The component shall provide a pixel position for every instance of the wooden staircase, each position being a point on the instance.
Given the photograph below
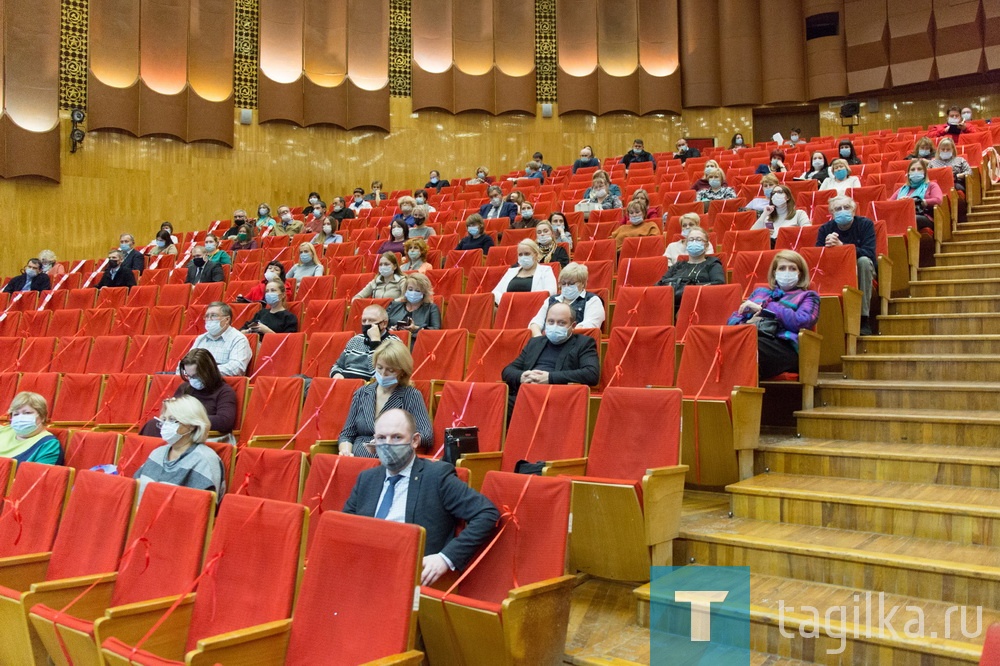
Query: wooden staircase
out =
(892, 485)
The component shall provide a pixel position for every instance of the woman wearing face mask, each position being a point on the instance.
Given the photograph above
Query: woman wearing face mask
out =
(405, 215)
(551, 250)
(698, 269)
(763, 200)
(477, 238)
(717, 188)
(947, 157)
(264, 220)
(49, 266)
(923, 149)
(527, 220)
(587, 307)
(845, 149)
(702, 183)
(422, 199)
(391, 389)
(26, 439)
(840, 178)
(214, 253)
(274, 316)
(482, 177)
(781, 212)
(642, 196)
(328, 233)
(602, 180)
(600, 193)
(926, 194)
(637, 225)
(376, 194)
(274, 270)
(528, 274)
(780, 311)
(818, 169)
(313, 199)
(688, 222)
(169, 228)
(420, 228)
(163, 244)
(560, 229)
(399, 233)
(415, 309)
(204, 383)
(390, 280)
(308, 265)
(244, 239)
(436, 181)
(737, 143)
(775, 165)
(517, 198)
(415, 252)
(184, 460)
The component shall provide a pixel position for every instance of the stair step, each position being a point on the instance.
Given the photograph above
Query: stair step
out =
(783, 614)
(970, 245)
(979, 225)
(923, 368)
(962, 234)
(959, 272)
(921, 568)
(916, 426)
(933, 344)
(945, 304)
(941, 324)
(894, 394)
(883, 461)
(945, 287)
(942, 259)
(953, 514)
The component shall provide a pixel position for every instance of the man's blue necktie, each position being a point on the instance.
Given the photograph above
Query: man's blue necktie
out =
(386, 503)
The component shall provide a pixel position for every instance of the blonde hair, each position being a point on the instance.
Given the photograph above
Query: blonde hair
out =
(47, 255)
(531, 245)
(423, 282)
(33, 400)
(769, 179)
(281, 290)
(406, 199)
(311, 250)
(714, 171)
(395, 354)
(950, 142)
(795, 258)
(575, 273)
(703, 232)
(189, 411)
(840, 160)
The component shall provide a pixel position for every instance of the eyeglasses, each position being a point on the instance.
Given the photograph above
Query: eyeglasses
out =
(214, 317)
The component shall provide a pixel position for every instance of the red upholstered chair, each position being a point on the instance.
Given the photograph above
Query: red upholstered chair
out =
(272, 412)
(479, 404)
(469, 311)
(358, 306)
(97, 322)
(77, 400)
(7, 468)
(750, 269)
(349, 284)
(439, 355)
(165, 548)
(108, 354)
(121, 401)
(707, 305)
(35, 322)
(111, 297)
(549, 422)
(165, 320)
(722, 403)
(795, 238)
(463, 259)
(638, 356)
(75, 553)
(482, 279)
(517, 596)
(10, 351)
(34, 356)
(386, 562)
(174, 294)
(644, 306)
(329, 484)
(640, 272)
(753, 240)
(322, 352)
(446, 282)
(71, 354)
(130, 321)
(39, 510)
(280, 355)
(319, 288)
(900, 218)
(991, 648)
(255, 540)
(517, 309)
(147, 354)
(143, 297)
(833, 274)
(89, 448)
(276, 474)
(64, 323)
(324, 316)
(643, 246)
(323, 413)
(493, 350)
(45, 384)
(135, 449)
(595, 250)
(180, 345)
(10, 322)
(204, 293)
(629, 501)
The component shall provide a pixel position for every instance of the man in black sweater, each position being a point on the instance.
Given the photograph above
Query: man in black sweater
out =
(846, 228)
(637, 154)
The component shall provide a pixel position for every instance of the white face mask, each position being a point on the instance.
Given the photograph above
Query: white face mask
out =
(213, 328)
(24, 424)
(327, 229)
(786, 279)
(169, 431)
(779, 199)
(570, 292)
(966, 116)
(818, 163)
(286, 217)
(945, 154)
(397, 232)
(525, 261)
(385, 270)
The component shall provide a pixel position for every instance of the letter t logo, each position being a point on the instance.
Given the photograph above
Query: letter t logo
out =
(701, 610)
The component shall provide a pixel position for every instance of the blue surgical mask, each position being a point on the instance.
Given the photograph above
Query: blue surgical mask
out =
(767, 191)
(434, 180)
(840, 174)
(305, 257)
(570, 292)
(213, 328)
(945, 154)
(715, 182)
(739, 141)
(525, 261)
(414, 296)
(473, 231)
(160, 242)
(556, 334)
(845, 151)
(924, 152)
(916, 177)
(637, 151)
(843, 218)
(385, 271)
(414, 255)
(527, 214)
(385, 382)
(125, 248)
(420, 200)
(272, 298)
(196, 383)
(786, 280)
(695, 248)
(24, 424)
(635, 219)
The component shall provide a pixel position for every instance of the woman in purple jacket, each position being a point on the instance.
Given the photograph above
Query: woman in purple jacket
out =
(779, 312)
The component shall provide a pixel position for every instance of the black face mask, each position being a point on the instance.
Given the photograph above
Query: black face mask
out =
(112, 263)
(199, 261)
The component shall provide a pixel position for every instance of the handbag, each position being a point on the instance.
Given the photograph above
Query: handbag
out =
(767, 327)
(459, 441)
(525, 467)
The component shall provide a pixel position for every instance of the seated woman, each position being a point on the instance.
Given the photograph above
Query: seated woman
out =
(265, 223)
(601, 179)
(389, 283)
(184, 460)
(551, 250)
(737, 144)
(776, 165)
(845, 148)
(169, 228)
(26, 439)
(840, 178)
(926, 194)
(421, 197)
(819, 168)
(215, 253)
(390, 390)
(308, 266)
(482, 177)
(779, 312)
(767, 184)
(204, 383)
(274, 316)
(698, 269)
(420, 228)
(923, 149)
(517, 198)
(415, 310)
(781, 212)
(406, 205)
(163, 244)
(328, 233)
(947, 157)
(274, 270)
(244, 239)
(528, 274)
(702, 183)
(643, 196)
(689, 221)
(399, 233)
(587, 306)
(560, 229)
(717, 188)
(50, 266)
(416, 256)
(527, 219)
(477, 238)
(637, 225)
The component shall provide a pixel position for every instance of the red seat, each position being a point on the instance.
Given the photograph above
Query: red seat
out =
(273, 410)
(324, 315)
(595, 250)
(707, 305)
(464, 259)
(81, 299)
(725, 222)
(121, 400)
(322, 352)
(165, 320)
(179, 347)
(275, 474)
(46, 384)
(492, 351)
(77, 400)
(640, 272)
(130, 321)
(97, 322)
(111, 297)
(539, 403)
(479, 404)
(108, 354)
(34, 529)
(352, 283)
(135, 451)
(34, 323)
(750, 269)
(517, 309)
(446, 282)
(440, 354)
(71, 354)
(280, 355)
(88, 448)
(10, 324)
(174, 294)
(329, 484)
(795, 238)
(324, 411)
(147, 354)
(639, 356)
(482, 279)
(644, 306)
(643, 246)
(64, 323)
(991, 647)
(358, 306)
(10, 351)
(143, 297)
(469, 311)
(316, 288)
(35, 356)
(204, 293)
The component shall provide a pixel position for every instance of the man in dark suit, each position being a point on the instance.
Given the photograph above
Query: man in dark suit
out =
(559, 357)
(408, 489)
(132, 259)
(115, 275)
(497, 207)
(32, 279)
(201, 269)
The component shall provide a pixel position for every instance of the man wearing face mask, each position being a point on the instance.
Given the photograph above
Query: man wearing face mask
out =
(132, 259)
(637, 154)
(560, 356)
(228, 347)
(684, 151)
(358, 201)
(953, 126)
(355, 362)
(497, 207)
(436, 181)
(405, 488)
(846, 228)
(340, 211)
(201, 269)
(239, 219)
(32, 279)
(287, 225)
(114, 274)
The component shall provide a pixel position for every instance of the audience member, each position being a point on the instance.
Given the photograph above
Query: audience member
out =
(954, 126)
(636, 155)
(399, 233)
(355, 362)
(697, 269)
(114, 274)
(845, 148)
(415, 309)
(637, 225)
(436, 182)
(389, 283)
(527, 219)
(26, 439)
(202, 270)
(767, 184)
(528, 274)
(737, 143)
(776, 165)
(482, 177)
(966, 114)
(341, 211)
(315, 218)
(328, 233)
(559, 357)
(441, 501)
(376, 194)
(215, 253)
(551, 250)
(846, 228)
(688, 221)
(702, 183)
(50, 265)
(203, 382)
(358, 201)
(517, 198)
(601, 194)
(132, 258)
(818, 167)
(477, 238)
(925, 193)
(239, 220)
(602, 179)
(780, 311)
(265, 223)
(534, 170)
(406, 205)
(244, 239)
(33, 279)
(420, 196)
(794, 136)
(923, 149)
(164, 244)
(947, 157)
(840, 177)
(497, 207)
(185, 459)
(717, 189)
(308, 265)
(642, 196)
(228, 347)
(781, 212)
(391, 389)
(287, 225)
(588, 309)
(313, 199)
(169, 228)
(542, 166)
(560, 228)
(273, 317)
(586, 160)
(420, 228)
(416, 256)
(274, 270)
(684, 151)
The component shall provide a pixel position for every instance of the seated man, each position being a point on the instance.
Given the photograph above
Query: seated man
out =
(228, 347)
(684, 151)
(202, 270)
(341, 211)
(497, 207)
(132, 259)
(239, 219)
(846, 228)
(637, 154)
(559, 357)
(317, 217)
(115, 275)
(440, 500)
(287, 225)
(32, 279)
(545, 168)
(355, 362)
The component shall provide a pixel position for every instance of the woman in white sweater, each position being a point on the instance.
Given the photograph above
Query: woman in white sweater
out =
(840, 178)
(781, 212)
(528, 275)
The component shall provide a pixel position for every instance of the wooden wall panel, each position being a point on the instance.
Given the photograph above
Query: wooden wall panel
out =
(659, 57)
(991, 33)
(210, 50)
(368, 47)
(515, 50)
(324, 58)
(783, 61)
(911, 41)
(576, 36)
(739, 60)
(826, 57)
(113, 88)
(958, 37)
(700, 66)
(866, 24)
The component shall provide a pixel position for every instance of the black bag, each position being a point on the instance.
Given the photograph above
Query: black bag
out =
(767, 326)
(459, 441)
(525, 467)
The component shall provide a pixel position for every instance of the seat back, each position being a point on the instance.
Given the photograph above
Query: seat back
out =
(482, 279)
(318, 287)
(517, 309)
(469, 311)
(255, 540)
(134, 452)
(180, 345)
(621, 447)
(64, 323)
(479, 404)
(641, 272)
(39, 492)
(121, 400)
(34, 323)
(750, 268)
(716, 359)
(270, 473)
(440, 354)
(77, 399)
(322, 352)
(34, 356)
(644, 306)
(329, 483)
(130, 321)
(639, 356)
(385, 562)
(549, 422)
(89, 448)
(831, 268)
(795, 238)
(7, 468)
(147, 354)
(595, 250)
(165, 319)
(97, 321)
(492, 351)
(273, 408)
(324, 315)
(446, 282)
(71, 354)
(324, 410)
(77, 551)
(280, 355)
(991, 647)
(708, 305)
(533, 547)
(643, 246)
(898, 215)
(108, 354)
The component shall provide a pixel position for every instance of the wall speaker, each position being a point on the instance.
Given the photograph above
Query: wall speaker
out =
(546, 110)
(246, 116)
(849, 109)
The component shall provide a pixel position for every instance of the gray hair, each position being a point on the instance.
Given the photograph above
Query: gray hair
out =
(840, 200)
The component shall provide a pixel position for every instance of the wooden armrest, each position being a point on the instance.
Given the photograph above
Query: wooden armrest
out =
(569, 467)
(130, 622)
(411, 658)
(484, 455)
(884, 268)
(150, 606)
(852, 311)
(239, 636)
(57, 593)
(541, 587)
(269, 441)
(262, 645)
(78, 582)
(913, 251)
(19, 572)
(747, 402)
(478, 464)
(662, 492)
(325, 446)
(810, 345)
